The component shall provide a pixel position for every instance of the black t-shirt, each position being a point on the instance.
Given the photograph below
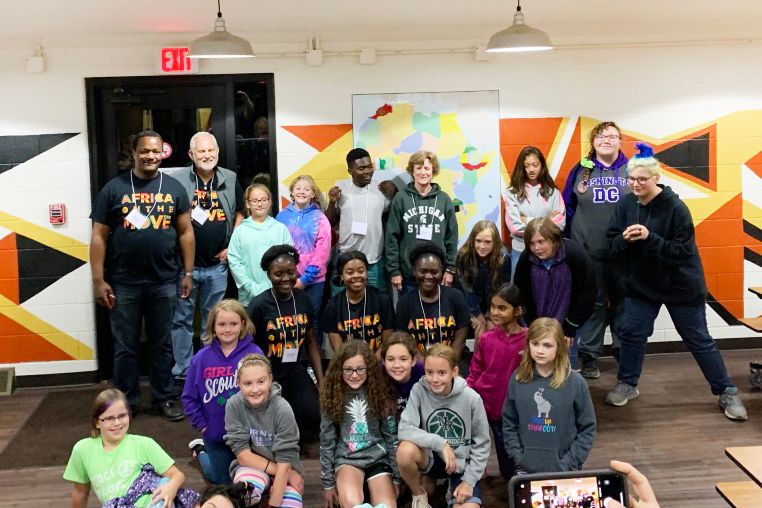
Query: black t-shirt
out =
(147, 255)
(211, 237)
(271, 324)
(438, 321)
(378, 317)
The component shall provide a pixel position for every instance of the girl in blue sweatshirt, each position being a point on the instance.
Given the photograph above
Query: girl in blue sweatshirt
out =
(548, 417)
(211, 382)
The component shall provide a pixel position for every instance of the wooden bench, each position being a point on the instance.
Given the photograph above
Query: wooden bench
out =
(747, 494)
(754, 323)
(740, 494)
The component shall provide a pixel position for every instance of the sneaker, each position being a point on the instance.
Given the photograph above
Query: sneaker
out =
(197, 447)
(622, 394)
(590, 369)
(420, 501)
(731, 403)
(169, 410)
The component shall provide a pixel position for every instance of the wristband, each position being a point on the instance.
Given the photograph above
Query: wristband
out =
(187, 274)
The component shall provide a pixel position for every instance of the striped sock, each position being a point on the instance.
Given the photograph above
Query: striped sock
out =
(291, 498)
(257, 479)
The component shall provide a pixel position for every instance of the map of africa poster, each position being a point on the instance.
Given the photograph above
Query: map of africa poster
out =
(461, 128)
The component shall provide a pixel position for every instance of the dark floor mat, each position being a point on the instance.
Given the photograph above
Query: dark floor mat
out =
(62, 419)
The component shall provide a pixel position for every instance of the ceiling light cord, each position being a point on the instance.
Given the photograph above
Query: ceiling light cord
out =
(219, 9)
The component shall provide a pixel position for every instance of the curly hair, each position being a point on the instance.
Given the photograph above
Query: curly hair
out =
(277, 251)
(382, 397)
(592, 153)
(419, 157)
(427, 247)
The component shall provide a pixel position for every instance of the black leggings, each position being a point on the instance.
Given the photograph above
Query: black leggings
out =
(302, 394)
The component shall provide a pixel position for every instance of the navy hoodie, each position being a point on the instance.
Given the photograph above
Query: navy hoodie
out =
(665, 267)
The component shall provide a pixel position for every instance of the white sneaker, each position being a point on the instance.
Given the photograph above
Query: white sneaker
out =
(420, 501)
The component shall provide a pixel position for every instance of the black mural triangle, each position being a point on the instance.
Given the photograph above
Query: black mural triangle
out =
(691, 156)
(40, 266)
(15, 150)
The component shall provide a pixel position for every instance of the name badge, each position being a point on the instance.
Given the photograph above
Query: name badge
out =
(136, 218)
(290, 355)
(359, 228)
(200, 215)
(424, 232)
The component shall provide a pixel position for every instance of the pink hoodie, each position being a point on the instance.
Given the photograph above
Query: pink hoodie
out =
(493, 364)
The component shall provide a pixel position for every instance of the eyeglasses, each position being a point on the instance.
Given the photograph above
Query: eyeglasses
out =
(348, 371)
(258, 201)
(642, 180)
(113, 419)
(607, 137)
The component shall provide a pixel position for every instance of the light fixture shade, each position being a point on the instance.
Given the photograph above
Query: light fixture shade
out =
(221, 44)
(519, 37)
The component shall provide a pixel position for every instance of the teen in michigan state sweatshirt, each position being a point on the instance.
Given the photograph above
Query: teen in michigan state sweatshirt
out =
(412, 218)
(548, 429)
(458, 418)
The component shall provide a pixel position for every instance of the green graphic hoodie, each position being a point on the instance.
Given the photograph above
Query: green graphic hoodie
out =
(408, 212)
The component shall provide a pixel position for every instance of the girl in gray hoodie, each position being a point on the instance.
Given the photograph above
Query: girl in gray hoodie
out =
(262, 432)
(443, 433)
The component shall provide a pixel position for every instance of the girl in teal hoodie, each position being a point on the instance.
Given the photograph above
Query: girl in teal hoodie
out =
(257, 233)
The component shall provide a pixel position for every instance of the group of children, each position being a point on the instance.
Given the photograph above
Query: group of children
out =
(399, 423)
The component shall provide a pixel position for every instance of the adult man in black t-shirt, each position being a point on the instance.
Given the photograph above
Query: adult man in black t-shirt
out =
(216, 202)
(142, 215)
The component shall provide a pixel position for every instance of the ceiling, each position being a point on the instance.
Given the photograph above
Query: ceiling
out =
(71, 23)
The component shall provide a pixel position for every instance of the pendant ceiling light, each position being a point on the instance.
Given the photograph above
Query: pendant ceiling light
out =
(519, 37)
(221, 43)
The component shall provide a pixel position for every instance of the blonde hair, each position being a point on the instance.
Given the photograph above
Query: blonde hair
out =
(649, 163)
(419, 157)
(253, 360)
(102, 402)
(542, 328)
(228, 305)
(250, 189)
(440, 350)
(315, 189)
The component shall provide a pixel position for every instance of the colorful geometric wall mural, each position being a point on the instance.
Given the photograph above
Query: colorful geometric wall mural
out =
(715, 167)
(32, 259)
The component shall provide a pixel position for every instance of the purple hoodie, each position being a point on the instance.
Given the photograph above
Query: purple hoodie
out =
(311, 233)
(210, 383)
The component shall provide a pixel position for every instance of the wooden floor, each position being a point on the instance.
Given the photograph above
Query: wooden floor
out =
(674, 433)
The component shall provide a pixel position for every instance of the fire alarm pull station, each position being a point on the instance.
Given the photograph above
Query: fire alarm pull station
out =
(57, 213)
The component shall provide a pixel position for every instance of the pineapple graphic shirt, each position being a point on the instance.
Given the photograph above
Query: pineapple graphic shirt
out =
(361, 439)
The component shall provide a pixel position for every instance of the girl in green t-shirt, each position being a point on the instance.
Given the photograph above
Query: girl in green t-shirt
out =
(111, 460)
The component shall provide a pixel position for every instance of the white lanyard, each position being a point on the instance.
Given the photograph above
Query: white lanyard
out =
(135, 204)
(416, 206)
(439, 324)
(367, 200)
(283, 326)
(349, 315)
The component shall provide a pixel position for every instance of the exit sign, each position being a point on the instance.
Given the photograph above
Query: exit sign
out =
(175, 60)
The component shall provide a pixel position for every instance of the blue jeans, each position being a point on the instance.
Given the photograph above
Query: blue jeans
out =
(209, 286)
(215, 463)
(154, 303)
(637, 324)
(515, 255)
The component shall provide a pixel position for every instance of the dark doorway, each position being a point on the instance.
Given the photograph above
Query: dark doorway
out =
(239, 109)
